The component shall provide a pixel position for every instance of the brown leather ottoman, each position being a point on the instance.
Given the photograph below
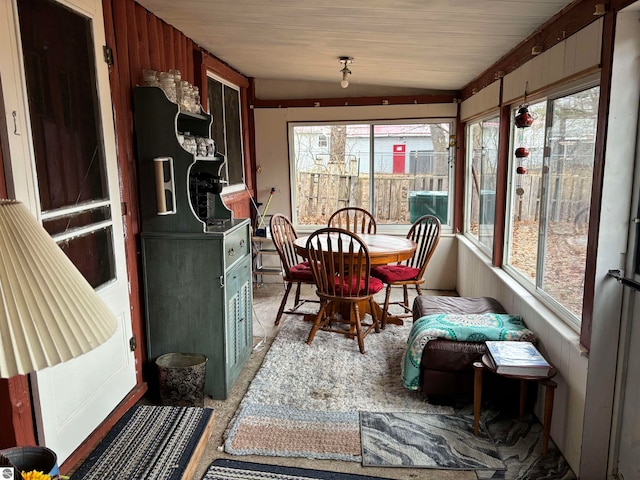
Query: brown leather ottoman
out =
(446, 368)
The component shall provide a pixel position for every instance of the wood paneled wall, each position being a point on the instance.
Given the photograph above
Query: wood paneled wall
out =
(139, 41)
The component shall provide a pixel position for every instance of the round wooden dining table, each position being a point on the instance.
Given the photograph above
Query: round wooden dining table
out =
(383, 249)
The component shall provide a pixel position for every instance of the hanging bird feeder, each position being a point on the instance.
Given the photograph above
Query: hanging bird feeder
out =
(523, 118)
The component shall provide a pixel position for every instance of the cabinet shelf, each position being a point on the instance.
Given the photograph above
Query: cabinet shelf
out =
(197, 116)
(267, 271)
(258, 268)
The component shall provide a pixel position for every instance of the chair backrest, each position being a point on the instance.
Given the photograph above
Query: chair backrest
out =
(283, 235)
(425, 231)
(354, 219)
(340, 263)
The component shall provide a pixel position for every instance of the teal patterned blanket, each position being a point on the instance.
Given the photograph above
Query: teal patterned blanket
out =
(450, 326)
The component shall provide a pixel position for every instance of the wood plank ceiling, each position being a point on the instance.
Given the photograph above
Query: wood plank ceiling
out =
(423, 44)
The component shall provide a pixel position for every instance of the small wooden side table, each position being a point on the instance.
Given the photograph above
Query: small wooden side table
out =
(550, 387)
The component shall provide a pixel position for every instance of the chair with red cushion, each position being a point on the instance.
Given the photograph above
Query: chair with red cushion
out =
(354, 219)
(294, 269)
(340, 263)
(425, 231)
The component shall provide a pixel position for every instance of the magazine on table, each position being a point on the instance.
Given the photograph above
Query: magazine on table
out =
(517, 358)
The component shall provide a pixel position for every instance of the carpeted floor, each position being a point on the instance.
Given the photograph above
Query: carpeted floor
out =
(304, 400)
(523, 436)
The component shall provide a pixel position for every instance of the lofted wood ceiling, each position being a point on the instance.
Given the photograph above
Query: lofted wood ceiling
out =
(425, 44)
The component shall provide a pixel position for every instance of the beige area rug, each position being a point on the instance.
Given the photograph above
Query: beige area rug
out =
(305, 399)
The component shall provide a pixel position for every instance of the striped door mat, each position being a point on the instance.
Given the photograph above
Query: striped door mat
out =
(151, 442)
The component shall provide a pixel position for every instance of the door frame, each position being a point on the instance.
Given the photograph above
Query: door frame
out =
(15, 393)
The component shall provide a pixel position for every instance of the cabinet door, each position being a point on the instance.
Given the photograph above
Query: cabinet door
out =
(239, 329)
(246, 337)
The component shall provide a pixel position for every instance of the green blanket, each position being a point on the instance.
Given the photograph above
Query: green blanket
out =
(468, 328)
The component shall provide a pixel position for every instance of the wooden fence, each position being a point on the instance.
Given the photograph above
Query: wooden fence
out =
(320, 194)
(569, 198)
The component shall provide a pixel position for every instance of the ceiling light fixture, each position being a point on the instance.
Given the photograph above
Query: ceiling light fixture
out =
(344, 61)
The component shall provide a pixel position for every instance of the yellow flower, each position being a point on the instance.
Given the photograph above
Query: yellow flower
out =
(35, 475)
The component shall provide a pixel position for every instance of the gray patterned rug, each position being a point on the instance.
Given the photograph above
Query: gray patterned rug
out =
(426, 441)
(507, 448)
(519, 443)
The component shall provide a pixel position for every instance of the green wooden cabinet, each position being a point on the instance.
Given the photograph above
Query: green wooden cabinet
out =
(196, 270)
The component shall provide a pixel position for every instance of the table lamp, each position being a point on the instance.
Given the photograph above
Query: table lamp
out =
(49, 313)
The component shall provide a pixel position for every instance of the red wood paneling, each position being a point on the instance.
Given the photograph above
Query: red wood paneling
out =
(597, 183)
(501, 185)
(167, 35)
(458, 193)
(138, 35)
(16, 421)
(115, 11)
(249, 136)
(356, 101)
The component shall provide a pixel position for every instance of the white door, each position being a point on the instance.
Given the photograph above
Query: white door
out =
(59, 131)
(628, 391)
(624, 143)
(627, 423)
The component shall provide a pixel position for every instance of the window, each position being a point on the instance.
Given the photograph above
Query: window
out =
(482, 167)
(397, 171)
(68, 144)
(226, 130)
(551, 195)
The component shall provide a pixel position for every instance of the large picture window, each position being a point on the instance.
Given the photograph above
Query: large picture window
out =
(397, 171)
(482, 166)
(551, 196)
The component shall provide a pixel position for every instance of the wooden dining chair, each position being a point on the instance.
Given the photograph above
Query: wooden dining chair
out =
(294, 269)
(354, 219)
(341, 266)
(425, 231)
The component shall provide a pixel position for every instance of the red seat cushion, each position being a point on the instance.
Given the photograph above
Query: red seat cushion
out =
(375, 286)
(301, 272)
(395, 273)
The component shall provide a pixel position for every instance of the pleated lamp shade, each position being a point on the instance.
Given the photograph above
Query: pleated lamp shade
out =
(48, 311)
